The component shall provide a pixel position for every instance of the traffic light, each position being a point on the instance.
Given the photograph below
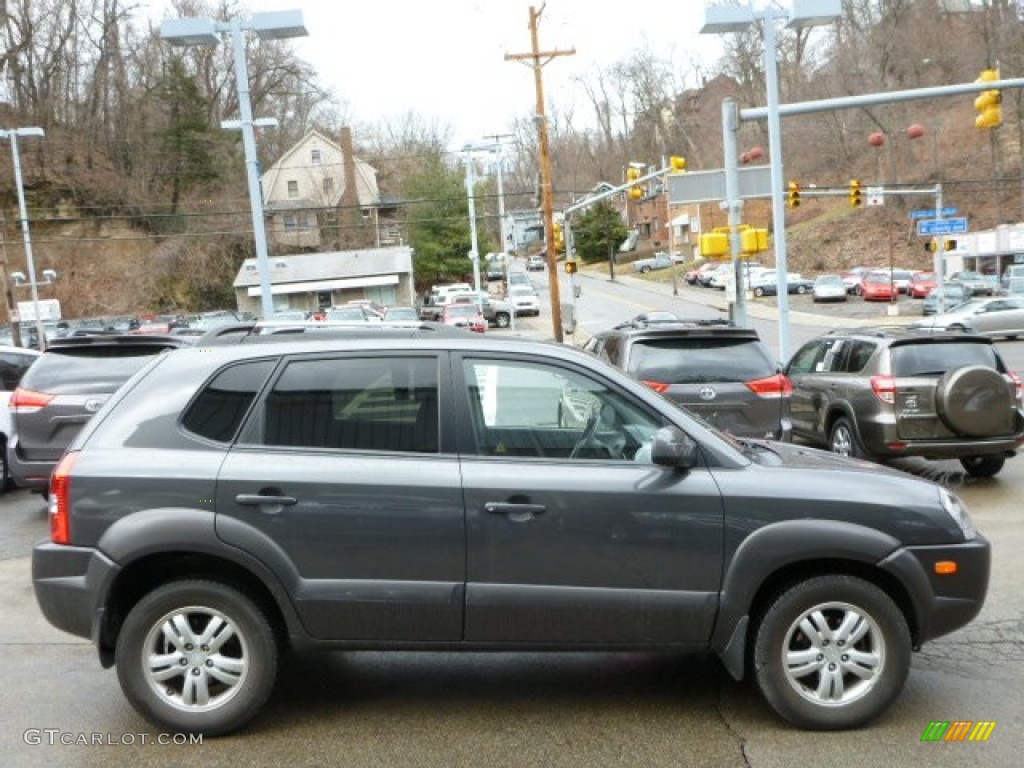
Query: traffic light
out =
(856, 197)
(570, 267)
(558, 235)
(987, 105)
(677, 164)
(632, 174)
(933, 245)
(794, 194)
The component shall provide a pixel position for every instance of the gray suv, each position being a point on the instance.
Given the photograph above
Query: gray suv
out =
(889, 393)
(723, 373)
(418, 489)
(63, 389)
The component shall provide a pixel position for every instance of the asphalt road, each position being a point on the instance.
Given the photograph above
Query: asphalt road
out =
(579, 710)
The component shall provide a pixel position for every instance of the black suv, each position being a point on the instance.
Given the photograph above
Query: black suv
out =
(63, 389)
(886, 393)
(723, 373)
(418, 489)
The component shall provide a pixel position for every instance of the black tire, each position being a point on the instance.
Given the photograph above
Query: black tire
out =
(982, 466)
(846, 673)
(645, 270)
(6, 483)
(843, 440)
(501, 319)
(759, 292)
(250, 651)
(801, 289)
(975, 401)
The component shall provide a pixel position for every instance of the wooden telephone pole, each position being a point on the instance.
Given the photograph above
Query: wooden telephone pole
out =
(538, 59)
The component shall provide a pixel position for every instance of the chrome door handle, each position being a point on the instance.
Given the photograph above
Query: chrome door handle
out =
(267, 503)
(517, 513)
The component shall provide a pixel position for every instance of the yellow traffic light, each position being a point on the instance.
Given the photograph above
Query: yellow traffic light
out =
(988, 104)
(794, 194)
(570, 267)
(678, 164)
(559, 237)
(632, 174)
(635, 193)
(856, 196)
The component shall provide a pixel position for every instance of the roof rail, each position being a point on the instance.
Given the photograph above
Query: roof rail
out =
(265, 330)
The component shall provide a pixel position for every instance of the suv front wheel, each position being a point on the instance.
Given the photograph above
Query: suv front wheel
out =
(832, 652)
(196, 657)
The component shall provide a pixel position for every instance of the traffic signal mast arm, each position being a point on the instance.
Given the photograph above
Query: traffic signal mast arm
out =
(622, 187)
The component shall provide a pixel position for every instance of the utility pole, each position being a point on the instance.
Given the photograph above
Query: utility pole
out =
(539, 59)
(498, 149)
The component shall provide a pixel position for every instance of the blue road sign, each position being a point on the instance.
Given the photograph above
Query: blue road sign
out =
(942, 226)
(929, 213)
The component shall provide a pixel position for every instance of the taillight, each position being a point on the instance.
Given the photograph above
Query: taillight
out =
(27, 401)
(778, 385)
(60, 500)
(884, 388)
(1020, 386)
(657, 386)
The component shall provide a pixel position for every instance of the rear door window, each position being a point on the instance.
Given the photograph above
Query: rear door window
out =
(86, 370)
(694, 359)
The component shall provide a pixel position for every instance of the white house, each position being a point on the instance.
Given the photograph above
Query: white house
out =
(306, 193)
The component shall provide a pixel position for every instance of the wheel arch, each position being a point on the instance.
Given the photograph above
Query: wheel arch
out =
(183, 544)
(776, 557)
(834, 413)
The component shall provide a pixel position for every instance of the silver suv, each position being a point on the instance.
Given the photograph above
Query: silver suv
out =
(889, 393)
(427, 489)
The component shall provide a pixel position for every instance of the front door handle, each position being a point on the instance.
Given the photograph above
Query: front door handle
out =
(517, 513)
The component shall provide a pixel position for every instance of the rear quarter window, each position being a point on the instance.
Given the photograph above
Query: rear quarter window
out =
(693, 360)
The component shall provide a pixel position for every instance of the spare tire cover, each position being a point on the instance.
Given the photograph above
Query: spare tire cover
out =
(975, 401)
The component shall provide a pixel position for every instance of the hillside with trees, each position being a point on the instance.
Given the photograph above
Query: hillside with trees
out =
(137, 194)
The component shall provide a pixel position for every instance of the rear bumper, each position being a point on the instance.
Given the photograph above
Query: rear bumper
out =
(880, 438)
(69, 583)
(34, 475)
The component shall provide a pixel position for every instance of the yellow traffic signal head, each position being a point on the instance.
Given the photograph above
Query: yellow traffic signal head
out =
(632, 174)
(794, 194)
(570, 267)
(856, 196)
(988, 105)
(678, 164)
(635, 193)
(559, 237)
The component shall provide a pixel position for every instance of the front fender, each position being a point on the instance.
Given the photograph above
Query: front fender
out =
(772, 548)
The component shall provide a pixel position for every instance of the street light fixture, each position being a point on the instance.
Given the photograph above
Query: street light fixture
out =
(735, 17)
(277, 25)
(13, 135)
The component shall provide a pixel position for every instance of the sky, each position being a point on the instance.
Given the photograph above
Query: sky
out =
(444, 59)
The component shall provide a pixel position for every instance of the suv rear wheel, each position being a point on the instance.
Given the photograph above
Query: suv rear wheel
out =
(843, 440)
(832, 652)
(982, 466)
(196, 657)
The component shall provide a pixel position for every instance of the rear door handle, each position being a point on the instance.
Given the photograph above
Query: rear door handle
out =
(266, 502)
(517, 513)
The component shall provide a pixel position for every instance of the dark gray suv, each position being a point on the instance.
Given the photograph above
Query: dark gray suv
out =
(722, 373)
(892, 392)
(420, 489)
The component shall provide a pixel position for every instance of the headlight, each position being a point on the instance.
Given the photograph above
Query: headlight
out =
(958, 511)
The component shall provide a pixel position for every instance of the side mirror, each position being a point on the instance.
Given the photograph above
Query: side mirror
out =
(671, 447)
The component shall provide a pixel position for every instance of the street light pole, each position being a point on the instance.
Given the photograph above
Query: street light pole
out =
(474, 253)
(23, 214)
(274, 25)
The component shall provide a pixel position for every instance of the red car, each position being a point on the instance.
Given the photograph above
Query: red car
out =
(922, 283)
(464, 316)
(877, 286)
